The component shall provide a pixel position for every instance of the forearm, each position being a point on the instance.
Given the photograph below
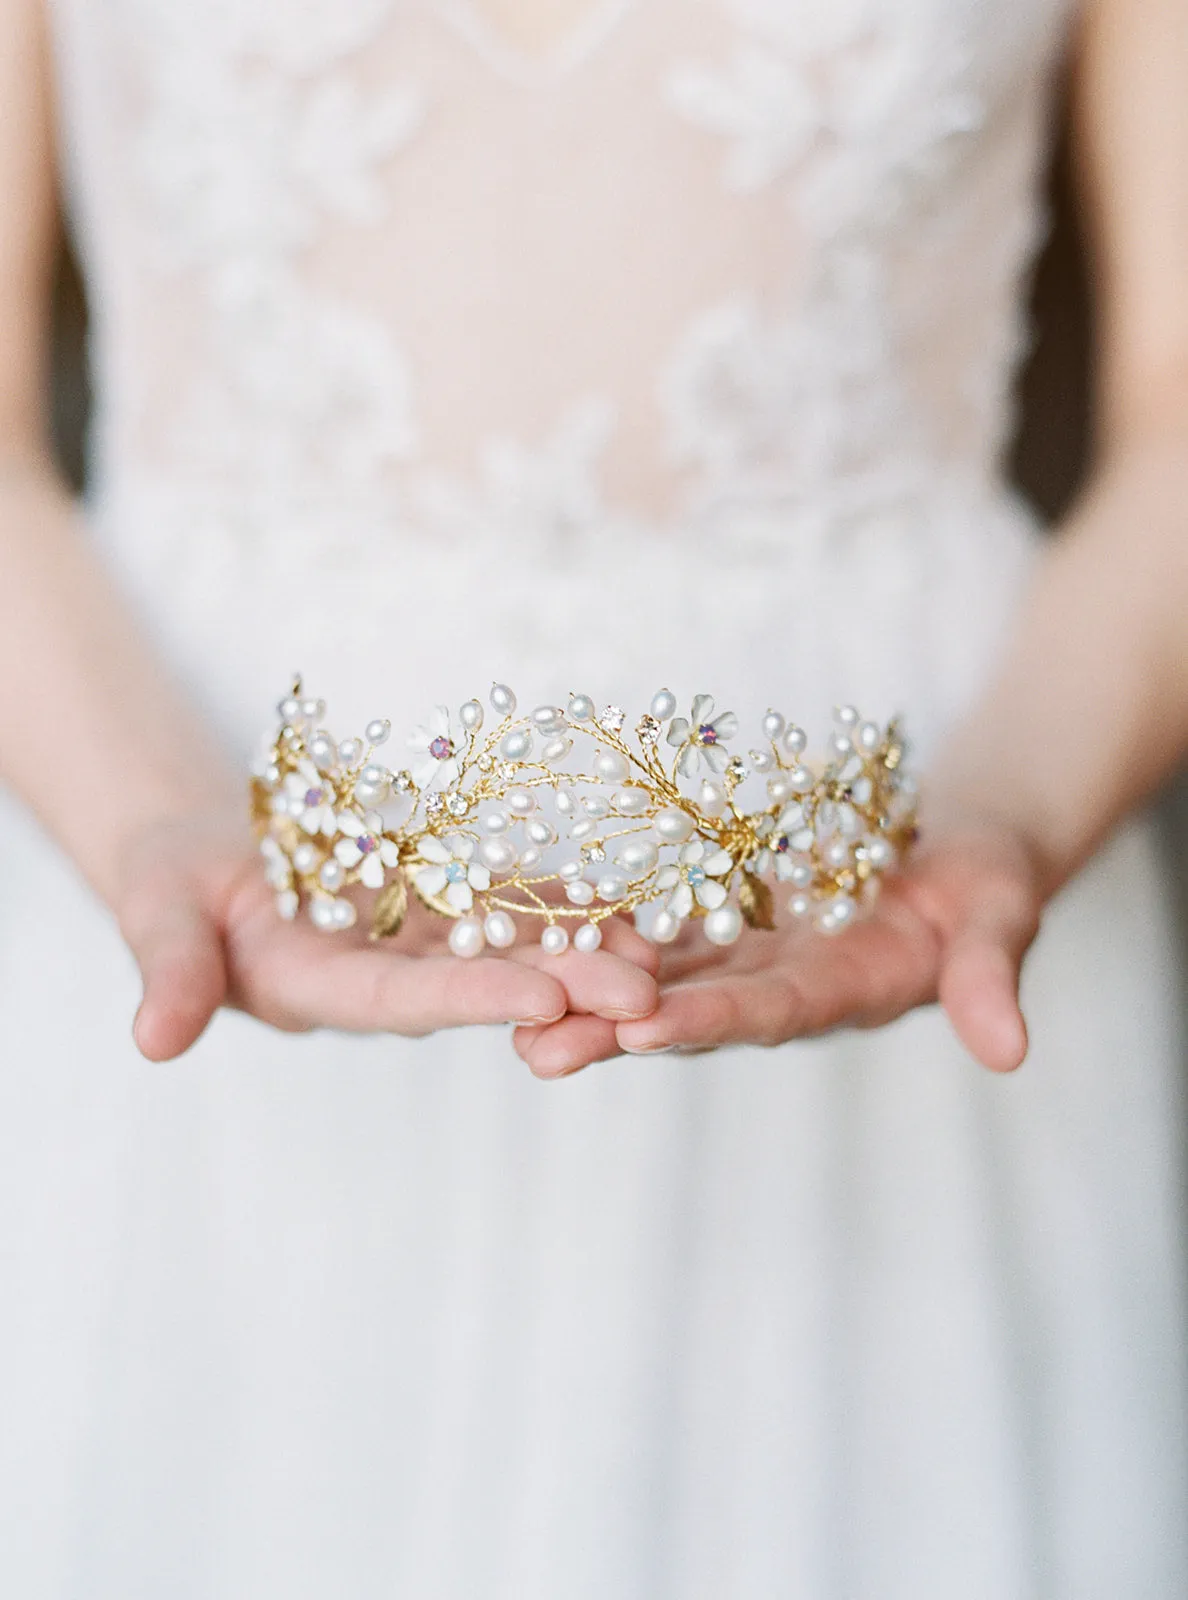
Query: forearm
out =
(93, 735)
(1088, 713)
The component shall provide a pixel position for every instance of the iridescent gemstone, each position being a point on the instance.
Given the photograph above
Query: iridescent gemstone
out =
(314, 797)
(441, 748)
(781, 844)
(455, 871)
(706, 733)
(367, 844)
(695, 876)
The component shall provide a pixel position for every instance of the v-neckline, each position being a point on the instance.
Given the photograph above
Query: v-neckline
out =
(568, 49)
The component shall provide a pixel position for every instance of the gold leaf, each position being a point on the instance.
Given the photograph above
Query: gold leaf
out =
(391, 909)
(755, 902)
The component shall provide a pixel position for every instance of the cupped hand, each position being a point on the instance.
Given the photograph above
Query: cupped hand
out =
(203, 926)
(952, 925)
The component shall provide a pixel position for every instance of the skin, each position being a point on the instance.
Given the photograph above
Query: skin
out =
(1098, 647)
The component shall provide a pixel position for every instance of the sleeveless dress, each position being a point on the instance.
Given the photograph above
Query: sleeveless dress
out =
(671, 348)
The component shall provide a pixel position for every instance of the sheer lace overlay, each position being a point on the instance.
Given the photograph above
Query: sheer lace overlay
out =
(380, 270)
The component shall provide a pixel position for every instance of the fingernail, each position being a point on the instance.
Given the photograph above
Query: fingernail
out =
(646, 1049)
(634, 1015)
(537, 1022)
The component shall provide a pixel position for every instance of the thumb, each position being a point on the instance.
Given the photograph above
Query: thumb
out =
(979, 979)
(180, 954)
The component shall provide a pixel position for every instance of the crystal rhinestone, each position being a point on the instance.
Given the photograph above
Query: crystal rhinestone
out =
(435, 804)
(612, 719)
(508, 771)
(403, 781)
(593, 852)
(486, 763)
(737, 769)
(648, 731)
(458, 805)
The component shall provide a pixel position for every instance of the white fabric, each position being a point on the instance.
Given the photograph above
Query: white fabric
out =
(587, 346)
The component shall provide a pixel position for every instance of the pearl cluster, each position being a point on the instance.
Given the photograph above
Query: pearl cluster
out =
(558, 816)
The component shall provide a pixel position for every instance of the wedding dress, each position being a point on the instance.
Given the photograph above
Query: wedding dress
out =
(667, 343)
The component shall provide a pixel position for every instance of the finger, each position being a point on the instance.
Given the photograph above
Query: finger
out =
(182, 967)
(979, 982)
(754, 1009)
(621, 938)
(597, 981)
(304, 981)
(566, 1046)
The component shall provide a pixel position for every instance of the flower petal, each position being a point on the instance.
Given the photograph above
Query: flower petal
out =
(424, 771)
(718, 862)
(703, 710)
(725, 725)
(432, 880)
(716, 759)
(479, 877)
(687, 760)
(667, 876)
(461, 847)
(680, 901)
(447, 772)
(349, 825)
(434, 850)
(460, 896)
(440, 722)
(371, 873)
(389, 853)
(678, 731)
(348, 852)
(329, 822)
(692, 852)
(711, 894)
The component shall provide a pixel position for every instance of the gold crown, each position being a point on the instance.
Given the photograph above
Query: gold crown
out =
(559, 816)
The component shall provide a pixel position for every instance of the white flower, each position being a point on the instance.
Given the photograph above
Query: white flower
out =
(694, 877)
(702, 734)
(449, 866)
(434, 744)
(310, 799)
(363, 843)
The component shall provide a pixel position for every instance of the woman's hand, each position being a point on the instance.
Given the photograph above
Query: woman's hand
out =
(202, 923)
(953, 925)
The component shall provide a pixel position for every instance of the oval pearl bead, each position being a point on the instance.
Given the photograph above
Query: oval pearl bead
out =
(795, 740)
(549, 719)
(610, 766)
(801, 875)
(376, 732)
(556, 750)
(583, 829)
(847, 716)
(322, 751)
(331, 875)
(520, 802)
(470, 715)
(631, 802)
(564, 802)
(638, 857)
(580, 893)
(529, 858)
(837, 913)
(665, 927)
(570, 871)
(502, 699)
(540, 832)
(869, 736)
(350, 751)
(762, 760)
(367, 794)
(773, 724)
(500, 930)
(594, 806)
(290, 710)
(467, 937)
(612, 886)
(663, 705)
(673, 825)
(836, 854)
(313, 710)
(344, 914)
(841, 744)
(712, 798)
(498, 854)
(779, 789)
(800, 905)
(588, 937)
(880, 852)
(496, 822)
(724, 925)
(516, 745)
(581, 708)
(554, 941)
(800, 780)
(306, 857)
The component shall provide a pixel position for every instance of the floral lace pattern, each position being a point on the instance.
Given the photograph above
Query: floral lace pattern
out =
(876, 130)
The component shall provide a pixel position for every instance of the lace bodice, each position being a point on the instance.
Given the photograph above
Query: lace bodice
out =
(391, 269)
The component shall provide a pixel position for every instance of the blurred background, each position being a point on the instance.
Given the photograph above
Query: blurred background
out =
(1049, 458)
